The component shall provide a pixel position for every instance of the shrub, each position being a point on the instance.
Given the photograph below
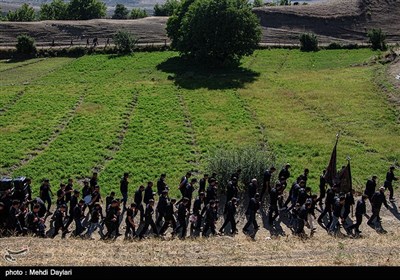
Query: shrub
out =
(120, 12)
(138, 13)
(124, 42)
(25, 13)
(252, 160)
(25, 45)
(334, 46)
(308, 42)
(56, 10)
(258, 3)
(167, 9)
(377, 39)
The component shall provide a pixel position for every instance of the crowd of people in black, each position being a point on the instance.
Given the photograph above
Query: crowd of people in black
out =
(21, 214)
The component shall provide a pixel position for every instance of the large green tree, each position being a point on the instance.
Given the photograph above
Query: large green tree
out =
(25, 13)
(86, 9)
(166, 9)
(57, 10)
(214, 31)
(120, 12)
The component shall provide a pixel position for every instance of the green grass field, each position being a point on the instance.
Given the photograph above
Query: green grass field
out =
(148, 114)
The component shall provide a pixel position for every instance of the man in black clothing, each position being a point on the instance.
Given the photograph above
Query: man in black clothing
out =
(202, 184)
(73, 202)
(69, 188)
(13, 223)
(189, 192)
(86, 189)
(3, 219)
(252, 189)
(60, 195)
(183, 183)
(198, 205)
(273, 203)
(329, 203)
(211, 192)
(59, 216)
(361, 210)
(109, 199)
(285, 173)
(161, 185)
(78, 215)
(93, 181)
(210, 218)
(162, 207)
(111, 220)
(370, 187)
(230, 215)
(389, 182)
(34, 223)
(138, 198)
(124, 188)
(182, 215)
(304, 177)
(28, 189)
(45, 192)
(169, 217)
(130, 223)
(252, 209)
(96, 217)
(322, 187)
(231, 191)
(302, 216)
(148, 220)
(148, 193)
(348, 203)
(266, 188)
(377, 200)
(336, 214)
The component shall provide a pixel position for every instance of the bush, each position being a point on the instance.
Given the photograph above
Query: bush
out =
(377, 39)
(120, 12)
(138, 13)
(258, 3)
(334, 46)
(124, 42)
(308, 42)
(167, 9)
(252, 160)
(25, 13)
(214, 31)
(25, 45)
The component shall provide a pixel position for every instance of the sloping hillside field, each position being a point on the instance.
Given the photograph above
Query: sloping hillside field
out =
(149, 113)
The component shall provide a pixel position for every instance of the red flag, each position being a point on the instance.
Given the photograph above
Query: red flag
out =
(331, 173)
(345, 179)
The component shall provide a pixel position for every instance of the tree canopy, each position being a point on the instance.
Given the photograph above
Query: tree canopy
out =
(214, 31)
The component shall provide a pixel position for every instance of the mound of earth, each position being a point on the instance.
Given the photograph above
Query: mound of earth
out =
(344, 21)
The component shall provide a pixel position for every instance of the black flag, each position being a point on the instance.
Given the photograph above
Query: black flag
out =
(331, 173)
(345, 179)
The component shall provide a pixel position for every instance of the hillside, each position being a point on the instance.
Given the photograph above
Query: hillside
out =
(150, 113)
(340, 20)
(345, 21)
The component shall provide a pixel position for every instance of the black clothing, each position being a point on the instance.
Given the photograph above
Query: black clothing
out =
(370, 188)
(161, 185)
(148, 194)
(123, 187)
(285, 173)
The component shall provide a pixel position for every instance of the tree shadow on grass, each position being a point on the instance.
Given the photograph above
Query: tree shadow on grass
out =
(189, 75)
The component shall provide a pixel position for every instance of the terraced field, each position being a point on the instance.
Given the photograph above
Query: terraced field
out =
(150, 113)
